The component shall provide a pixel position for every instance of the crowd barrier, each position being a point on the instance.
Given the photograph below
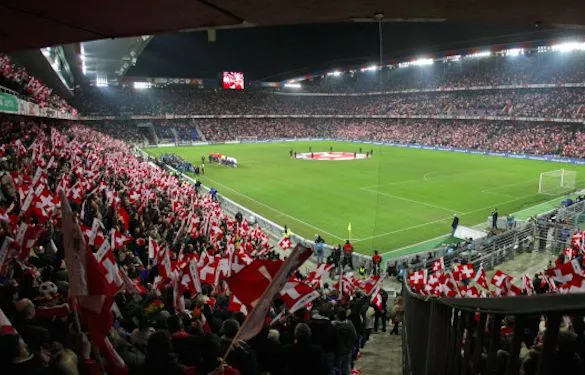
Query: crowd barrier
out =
(445, 336)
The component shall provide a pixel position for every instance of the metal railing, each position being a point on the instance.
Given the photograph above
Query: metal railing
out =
(485, 335)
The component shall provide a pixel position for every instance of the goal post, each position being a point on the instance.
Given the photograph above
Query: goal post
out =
(560, 181)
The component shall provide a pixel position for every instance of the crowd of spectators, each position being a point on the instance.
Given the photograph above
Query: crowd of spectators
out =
(16, 78)
(137, 204)
(520, 137)
(550, 103)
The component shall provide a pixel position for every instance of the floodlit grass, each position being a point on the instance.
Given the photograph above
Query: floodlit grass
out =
(396, 198)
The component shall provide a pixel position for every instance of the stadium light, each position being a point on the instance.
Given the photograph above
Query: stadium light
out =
(292, 85)
(568, 47)
(82, 56)
(335, 73)
(452, 58)
(101, 82)
(514, 52)
(423, 62)
(480, 54)
(371, 68)
(141, 85)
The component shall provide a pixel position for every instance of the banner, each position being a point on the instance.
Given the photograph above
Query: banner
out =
(8, 103)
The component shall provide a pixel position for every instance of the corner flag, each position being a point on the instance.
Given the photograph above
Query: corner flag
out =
(349, 231)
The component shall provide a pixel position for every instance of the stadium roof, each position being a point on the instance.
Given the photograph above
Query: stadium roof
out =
(33, 24)
(283, 52)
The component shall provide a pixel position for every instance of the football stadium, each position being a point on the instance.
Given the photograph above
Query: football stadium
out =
(284, 188)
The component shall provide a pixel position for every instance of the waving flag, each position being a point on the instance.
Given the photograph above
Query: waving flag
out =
(285, 243)
(297, 295)
(261, 275)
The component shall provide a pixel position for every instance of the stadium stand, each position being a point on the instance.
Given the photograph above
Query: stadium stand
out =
(165, 254)
(17, 79)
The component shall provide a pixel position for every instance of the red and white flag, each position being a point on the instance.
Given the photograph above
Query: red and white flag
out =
(377, 299)
(566, 271)
(315, 278)
(297, 295)
(481, 278)
(527, 284)
(123, 216)
(417, 279)
(438, 265)
(463, 272)
(87, 282)
(153, 248)
(119, 239)
(285, 243)
(235, 305)
(501, 280)
(107, 261)
(369, 285)
(253, 324)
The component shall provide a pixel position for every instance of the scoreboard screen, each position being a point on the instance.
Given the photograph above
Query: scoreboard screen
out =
(233, 80)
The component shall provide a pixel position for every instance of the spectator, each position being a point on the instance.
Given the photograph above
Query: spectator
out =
(241, 357)
(346, 337)
(159, 358)
(303, 357)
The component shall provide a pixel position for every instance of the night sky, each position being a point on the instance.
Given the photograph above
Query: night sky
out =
(277, 53)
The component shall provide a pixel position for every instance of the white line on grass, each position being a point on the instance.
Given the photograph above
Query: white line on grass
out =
(439, 220)
(403, 230)
(490, 190)
(411, 200)
(392, 183)
(274, 209)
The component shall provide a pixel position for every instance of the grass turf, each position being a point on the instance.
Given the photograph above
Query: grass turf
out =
(396, 198)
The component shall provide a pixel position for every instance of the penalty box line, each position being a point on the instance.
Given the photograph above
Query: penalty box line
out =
(412, 200)
(437, 221)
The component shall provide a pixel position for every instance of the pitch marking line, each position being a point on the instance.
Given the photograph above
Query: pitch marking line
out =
(411, 200)
(275, 210)
(439, 220)
(490, 190)
(427, 177)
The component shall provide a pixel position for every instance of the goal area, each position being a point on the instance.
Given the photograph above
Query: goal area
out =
(560, 181)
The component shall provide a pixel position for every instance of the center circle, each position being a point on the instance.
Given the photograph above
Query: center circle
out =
(331, 156)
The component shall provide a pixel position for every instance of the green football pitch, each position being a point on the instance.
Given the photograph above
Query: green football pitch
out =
(396, 198)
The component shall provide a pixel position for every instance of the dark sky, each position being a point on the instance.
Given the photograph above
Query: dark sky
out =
(277, 53)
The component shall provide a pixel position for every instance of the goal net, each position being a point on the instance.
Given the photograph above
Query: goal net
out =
(557, 182)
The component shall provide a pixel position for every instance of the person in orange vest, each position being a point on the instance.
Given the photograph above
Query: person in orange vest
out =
(348, 254)
(376, 262)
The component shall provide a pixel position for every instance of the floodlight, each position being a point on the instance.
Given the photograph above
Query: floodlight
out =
(292, 85)
(568, 47)
(370, 68)
(141, 85)
(421, 62)
(335, 73)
